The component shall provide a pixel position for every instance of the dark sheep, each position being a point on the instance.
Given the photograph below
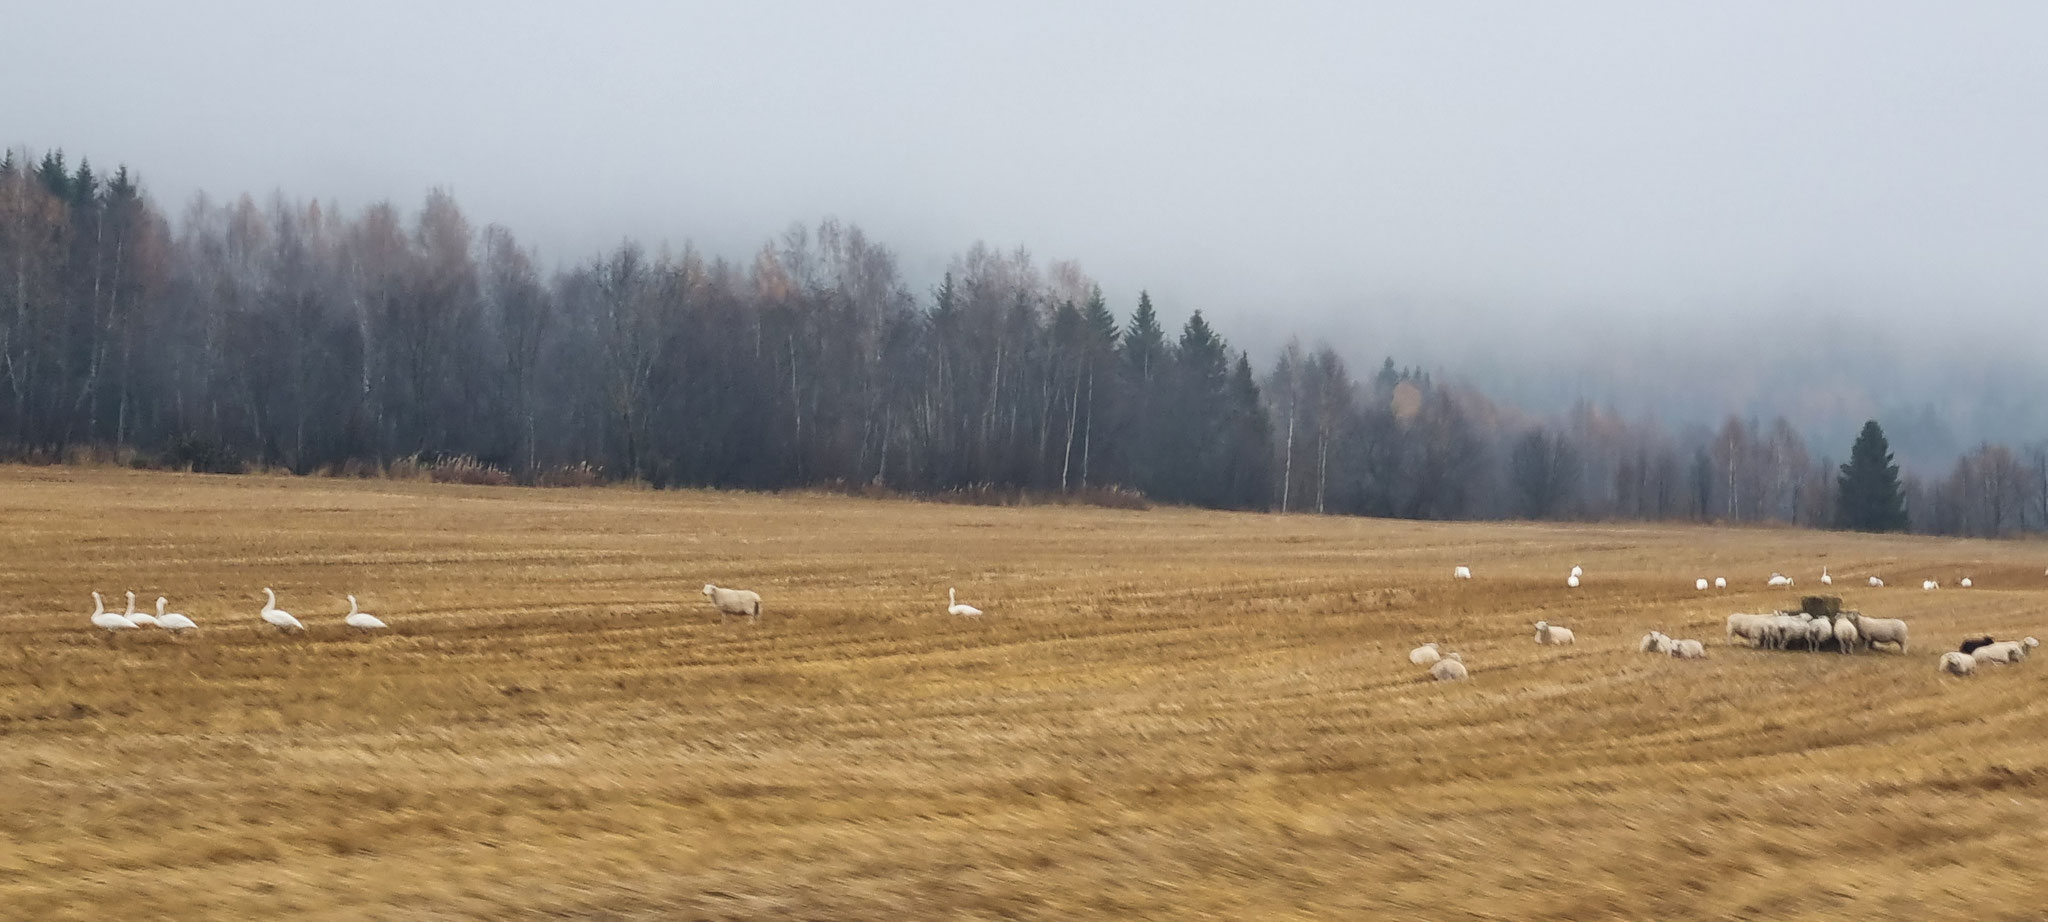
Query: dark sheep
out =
(1971, 645)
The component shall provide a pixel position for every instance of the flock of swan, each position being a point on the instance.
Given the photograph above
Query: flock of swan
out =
(728, 602)
(178, 623)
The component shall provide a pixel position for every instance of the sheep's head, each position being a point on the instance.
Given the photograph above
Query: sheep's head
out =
(2030, 643)
(1543, 625)
(1454, 657)
(709, 589)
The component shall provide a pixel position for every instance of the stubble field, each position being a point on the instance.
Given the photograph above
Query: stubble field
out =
(1166, 714)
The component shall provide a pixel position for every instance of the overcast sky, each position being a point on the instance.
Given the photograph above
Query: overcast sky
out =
(1330, 167)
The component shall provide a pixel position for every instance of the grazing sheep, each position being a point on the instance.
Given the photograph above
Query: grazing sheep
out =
(1751, 628)
(1818, 632)
(1720, 582)
(2003, 652)
(1449, 670)
(1955, 663)
(1655, 642)
(1424, 655)
(1688, 649)
(1876, 583)
(1875, 631)
(1971, 645)
(1700, 584)
(1546, 634)
(734, 602)
(1461, 573)
(1846, 635)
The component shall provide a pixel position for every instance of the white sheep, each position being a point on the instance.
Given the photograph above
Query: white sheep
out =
(1700, 584)
(1461, 573)
(1955, 663)
(1845, 635)
(734, 602)
(1546, 634)
(2030, 643)
(1752, 628)
(2003, 652)
(1688, 649)
(1424, 655)
(1875, 631)
(1655, 642)
(1720, 582)
(1818, 632)
(1449, 669)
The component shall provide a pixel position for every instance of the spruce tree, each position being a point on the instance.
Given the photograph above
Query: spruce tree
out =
(1869, 498)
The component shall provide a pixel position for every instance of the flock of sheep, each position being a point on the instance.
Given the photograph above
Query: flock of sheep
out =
(1842, 631)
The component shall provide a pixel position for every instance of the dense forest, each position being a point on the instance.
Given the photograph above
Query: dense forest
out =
(289, 334)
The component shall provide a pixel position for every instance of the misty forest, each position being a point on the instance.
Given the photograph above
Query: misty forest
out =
(291, 335)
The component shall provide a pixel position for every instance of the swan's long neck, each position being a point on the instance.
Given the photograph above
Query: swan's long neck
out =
(269, 600)
(351, 605)
(949, 597)
(131, 603)
(160, 605)
(98, 607)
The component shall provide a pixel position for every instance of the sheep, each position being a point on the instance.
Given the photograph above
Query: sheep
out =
(2004, 651)
(1461, 573)
(1955, 663)
(1818, 632)
(1700, 584)
(1688, 649)
(1846, 635)
(1782, 629)
(1752, 628)
(1424, 655)
(734, 602)
(1971, 645)
(1449, 670)
(1655, 642)
(1720, 582)
(2030, 643)
(1546, 634)
(1876, 583)
(1875, 631)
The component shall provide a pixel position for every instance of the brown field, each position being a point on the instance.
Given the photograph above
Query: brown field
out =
(1165, 714)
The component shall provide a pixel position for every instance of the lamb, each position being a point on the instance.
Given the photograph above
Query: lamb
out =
(1424, 655)
(1971, 645)
(1449, 669)
(1688, 649)
(1545, 634)
(1461, 573)
(1845, 635)
(1875, 631)
(2004, 652)
(734, 602)
(1955, 663)
(1655, 642)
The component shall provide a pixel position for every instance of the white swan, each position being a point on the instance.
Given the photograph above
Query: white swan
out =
(1572, 581)
(1576, 571)
(106, 620)
(1720, 582)
(1700, 584)
(172, 621)
(953, 606)
(282, 620)
(1966, 583)
(361, 620)
(139, 619)
(1825, 579)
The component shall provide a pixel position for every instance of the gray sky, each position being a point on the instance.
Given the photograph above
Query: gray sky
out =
(1438, 177)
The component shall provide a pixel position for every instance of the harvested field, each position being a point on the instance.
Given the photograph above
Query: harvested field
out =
(1164, 714)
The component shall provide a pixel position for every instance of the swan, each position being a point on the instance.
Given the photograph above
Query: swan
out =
(953, 606)
(1572, 581)
(1825, 579)
(106, 620)
(1576, 571)
(1876, 583)
(1966, 583)
(283, 620)
(1700, 584)
(139, 619)
(361, 620)
(1720, 582)
(173, 621)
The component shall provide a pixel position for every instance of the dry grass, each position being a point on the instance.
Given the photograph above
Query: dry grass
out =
(1165, 714)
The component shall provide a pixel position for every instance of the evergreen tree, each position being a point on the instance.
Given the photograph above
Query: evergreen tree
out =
(1869, 498)
(1144, 343)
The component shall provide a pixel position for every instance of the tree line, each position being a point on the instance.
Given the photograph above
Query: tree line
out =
(293, 335)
